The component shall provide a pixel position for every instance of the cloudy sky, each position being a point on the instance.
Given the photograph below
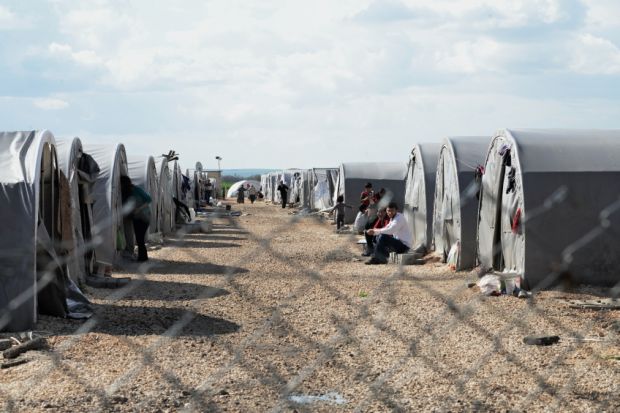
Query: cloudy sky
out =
(291, 83)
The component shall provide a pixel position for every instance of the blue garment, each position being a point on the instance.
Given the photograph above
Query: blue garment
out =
(141, 201)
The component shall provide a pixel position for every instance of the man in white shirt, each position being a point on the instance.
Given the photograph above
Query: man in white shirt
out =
(396, 236)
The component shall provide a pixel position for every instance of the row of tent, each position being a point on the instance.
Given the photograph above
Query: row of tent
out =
(63, 218)
(543, 205)
(309, 188)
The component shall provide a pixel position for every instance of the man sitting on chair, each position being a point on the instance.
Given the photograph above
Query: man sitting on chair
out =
(395, 236)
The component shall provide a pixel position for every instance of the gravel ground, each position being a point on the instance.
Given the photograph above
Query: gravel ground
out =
(273, 311)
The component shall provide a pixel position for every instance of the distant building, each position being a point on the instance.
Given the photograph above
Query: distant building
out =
(215, 175)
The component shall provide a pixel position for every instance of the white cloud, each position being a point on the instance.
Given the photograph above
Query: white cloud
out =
(225, 73)
(50, 103)
(8, 19)
(603, 14)
(594, 55)
(469, 56)
(83, 57)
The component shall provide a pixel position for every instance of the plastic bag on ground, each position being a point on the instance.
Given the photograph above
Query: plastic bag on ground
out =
(490, 284)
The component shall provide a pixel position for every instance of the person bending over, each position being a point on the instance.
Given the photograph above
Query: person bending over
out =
(395, 236)
(140, 212)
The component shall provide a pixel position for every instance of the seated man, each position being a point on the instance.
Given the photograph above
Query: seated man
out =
(380, 221)
(395, 236)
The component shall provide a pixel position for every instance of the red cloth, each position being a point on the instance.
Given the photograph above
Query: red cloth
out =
(381, 223)
(516, 220)
(366, 195)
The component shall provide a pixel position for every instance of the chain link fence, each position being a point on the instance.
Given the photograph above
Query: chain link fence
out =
(462, 357)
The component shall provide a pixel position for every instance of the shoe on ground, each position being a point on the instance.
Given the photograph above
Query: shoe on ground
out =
(374, 261)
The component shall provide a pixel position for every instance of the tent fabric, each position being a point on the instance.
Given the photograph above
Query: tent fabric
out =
(177, 182)
(353, 176)
(419, 192)
(143, 173)
(81, 179)
(165, 205)
(180, 191)
(543, 194)
(306, 189)
(197, 180)
(234, 188)
(270, 189)
(455, 209)
(322, 184)
(23, 156)
(289, 177)
(109, 227)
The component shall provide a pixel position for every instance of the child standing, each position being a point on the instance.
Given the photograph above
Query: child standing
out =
(339, 208)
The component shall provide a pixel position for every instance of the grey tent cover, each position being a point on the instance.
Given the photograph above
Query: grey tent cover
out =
(107, 210)
(419, 192)
(21, 154)
(455, 216)
(550, 210)
(354, 175)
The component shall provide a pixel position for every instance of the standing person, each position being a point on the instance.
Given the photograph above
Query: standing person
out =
(366, 196)
(140, 212)
(241, 195)
(283, 189)
(395, 236)
(340, 209)
(380, 221)
(377, 197)
(252, 193)
(208, 191)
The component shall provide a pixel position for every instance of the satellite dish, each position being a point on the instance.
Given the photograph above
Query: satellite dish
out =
(198, 166)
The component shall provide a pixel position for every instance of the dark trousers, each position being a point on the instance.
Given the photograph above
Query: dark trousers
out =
(208, 196)
(139, 230)
(284, 196)
(252, 198)
(339, 221)
(370, 242)
(386, 244)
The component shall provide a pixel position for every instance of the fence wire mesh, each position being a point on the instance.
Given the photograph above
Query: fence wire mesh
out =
(272, 311)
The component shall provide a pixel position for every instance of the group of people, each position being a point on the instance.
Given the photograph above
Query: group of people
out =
(386, 230)
(253, 193)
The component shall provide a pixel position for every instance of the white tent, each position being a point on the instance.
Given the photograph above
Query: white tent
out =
(455, 216)
(81, 171)
(322, 183)
(264, 180)
(289, 177)
(420, 188)
(143, 173)
(108, 208)
(353, 177)
(549, 206)
(269, 189)
(305, 188)
(315, 187)
(233, 190)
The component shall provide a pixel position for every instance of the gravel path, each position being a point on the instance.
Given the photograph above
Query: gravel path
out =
(273, 311)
